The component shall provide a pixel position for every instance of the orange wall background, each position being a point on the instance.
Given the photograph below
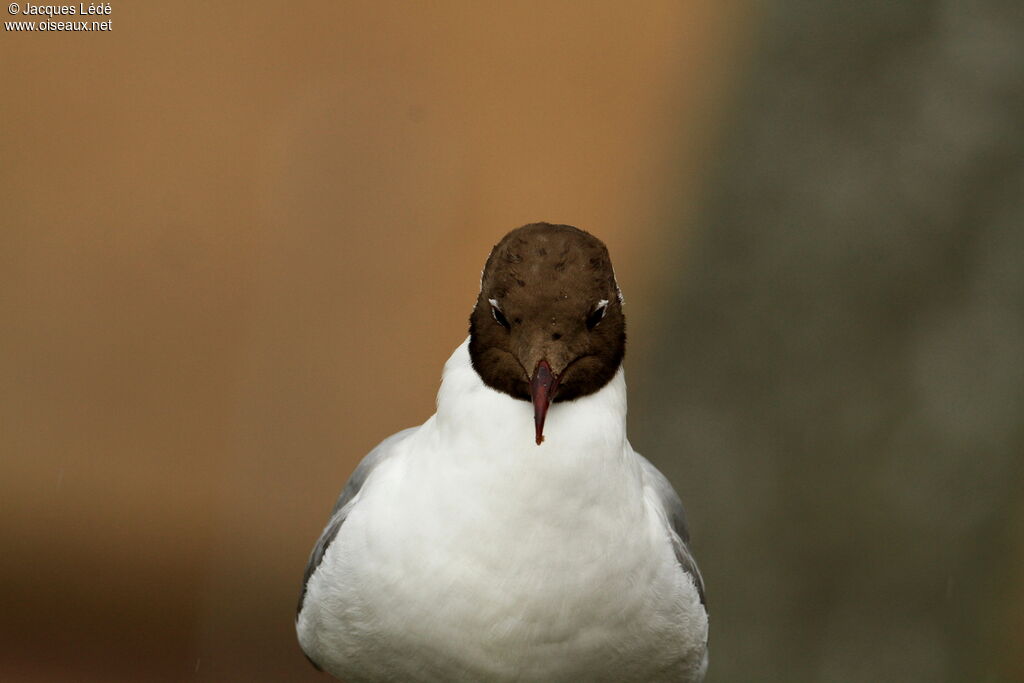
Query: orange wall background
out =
(238, 242)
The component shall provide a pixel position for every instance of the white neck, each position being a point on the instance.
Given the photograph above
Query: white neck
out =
(471, 412)
(483, 454)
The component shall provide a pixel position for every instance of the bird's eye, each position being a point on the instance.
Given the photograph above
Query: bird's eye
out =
(598, 315)
(499, 317)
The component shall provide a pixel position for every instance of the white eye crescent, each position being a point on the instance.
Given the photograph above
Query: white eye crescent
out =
(499, 317)
(597, 315)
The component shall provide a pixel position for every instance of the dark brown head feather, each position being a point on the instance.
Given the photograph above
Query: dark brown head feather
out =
(548, 282)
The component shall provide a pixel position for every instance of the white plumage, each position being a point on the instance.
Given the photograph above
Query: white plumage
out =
(470, 553)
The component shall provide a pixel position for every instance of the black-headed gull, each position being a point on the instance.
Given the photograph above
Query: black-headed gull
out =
(515, 535)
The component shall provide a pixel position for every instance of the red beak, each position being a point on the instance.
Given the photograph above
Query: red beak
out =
(543, 386)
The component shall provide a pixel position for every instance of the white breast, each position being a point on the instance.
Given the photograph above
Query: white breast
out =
(474, 554)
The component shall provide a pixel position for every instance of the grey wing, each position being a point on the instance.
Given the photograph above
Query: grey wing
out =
(677, 520)
(382, 452)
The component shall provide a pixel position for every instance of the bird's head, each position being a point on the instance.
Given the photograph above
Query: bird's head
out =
(548, 323)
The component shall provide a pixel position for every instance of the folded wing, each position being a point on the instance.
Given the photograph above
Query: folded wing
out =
(339, 513)
(676, 517)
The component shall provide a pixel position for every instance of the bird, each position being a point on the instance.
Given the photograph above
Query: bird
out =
(515, 535)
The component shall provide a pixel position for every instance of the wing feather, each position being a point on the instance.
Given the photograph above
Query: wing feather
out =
(676, 516)
(341, 508)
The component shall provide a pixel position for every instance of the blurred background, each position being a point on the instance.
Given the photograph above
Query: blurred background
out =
(238, 242)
